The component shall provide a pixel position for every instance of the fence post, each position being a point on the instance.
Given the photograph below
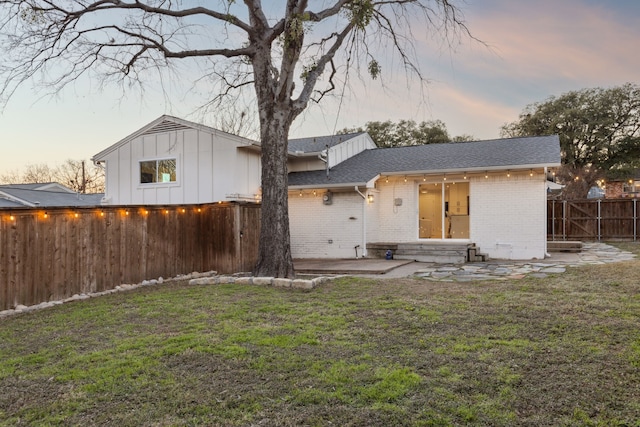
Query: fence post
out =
(599, 222)
(564, 220)
(635, 218)
(553, 220)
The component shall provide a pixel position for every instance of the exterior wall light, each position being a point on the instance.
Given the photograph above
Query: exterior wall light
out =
(370, 198)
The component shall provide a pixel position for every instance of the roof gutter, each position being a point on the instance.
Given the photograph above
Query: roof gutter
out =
(471, 169)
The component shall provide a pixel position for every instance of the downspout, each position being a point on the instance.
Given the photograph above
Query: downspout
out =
(364, 222)
(546, 211)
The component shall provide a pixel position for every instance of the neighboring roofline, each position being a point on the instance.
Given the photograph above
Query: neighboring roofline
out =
(49, 185)
(204, 128)
(17, 199)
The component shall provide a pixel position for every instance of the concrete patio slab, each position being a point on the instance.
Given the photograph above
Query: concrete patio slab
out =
(347, 266)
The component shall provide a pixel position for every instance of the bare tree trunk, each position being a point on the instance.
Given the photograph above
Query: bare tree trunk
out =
(274, 252)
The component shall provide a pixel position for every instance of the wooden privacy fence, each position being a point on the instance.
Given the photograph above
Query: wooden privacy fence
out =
(593, 219)
(52, 254)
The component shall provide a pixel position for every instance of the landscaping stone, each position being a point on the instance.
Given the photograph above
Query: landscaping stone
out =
(262, 281)
(241, 280)
(281, 283)
(302, 284)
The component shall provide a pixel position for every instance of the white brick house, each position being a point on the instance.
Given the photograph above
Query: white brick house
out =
(344, 193)
(490, 193)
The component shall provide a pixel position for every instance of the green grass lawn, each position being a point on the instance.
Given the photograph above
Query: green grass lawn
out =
(563, 350)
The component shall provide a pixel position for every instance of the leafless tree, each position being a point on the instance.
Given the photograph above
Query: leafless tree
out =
(79, 175)
(290, 52)
(33, 174)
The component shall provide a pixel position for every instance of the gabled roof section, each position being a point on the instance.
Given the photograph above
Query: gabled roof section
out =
(167, 123)
(21, 195)
(495, 154)
(49, 186)
(318, 143)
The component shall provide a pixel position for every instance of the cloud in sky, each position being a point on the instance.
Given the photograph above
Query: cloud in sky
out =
(535, 50)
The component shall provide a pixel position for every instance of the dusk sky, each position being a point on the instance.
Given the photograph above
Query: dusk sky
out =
(533, 50)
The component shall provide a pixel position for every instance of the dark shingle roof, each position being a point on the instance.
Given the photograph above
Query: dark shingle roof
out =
(318, 143)
(5, 203)
(436, 158)
(12, 196)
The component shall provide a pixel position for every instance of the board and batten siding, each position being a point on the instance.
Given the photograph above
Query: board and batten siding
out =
(210, 167)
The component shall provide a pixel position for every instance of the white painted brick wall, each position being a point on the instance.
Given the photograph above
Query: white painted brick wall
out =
(313, 224)
(508, 216)
(397, 223)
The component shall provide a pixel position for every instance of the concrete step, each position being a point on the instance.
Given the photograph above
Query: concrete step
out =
(474, 255)
(437, 252)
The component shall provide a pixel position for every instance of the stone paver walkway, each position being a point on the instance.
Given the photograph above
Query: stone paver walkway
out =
(592, 253)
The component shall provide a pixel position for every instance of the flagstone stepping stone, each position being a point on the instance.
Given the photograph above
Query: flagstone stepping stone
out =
(553, 270)
(539, 275)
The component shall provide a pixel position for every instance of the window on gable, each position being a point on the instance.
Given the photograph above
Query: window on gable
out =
(158, 171)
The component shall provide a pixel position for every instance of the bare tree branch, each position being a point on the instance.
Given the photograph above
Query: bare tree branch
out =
(281, 50)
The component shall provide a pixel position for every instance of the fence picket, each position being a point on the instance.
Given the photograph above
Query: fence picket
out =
(55, 254)
(598, 219)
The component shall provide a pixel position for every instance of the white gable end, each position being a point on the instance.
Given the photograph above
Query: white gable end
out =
(171, 162)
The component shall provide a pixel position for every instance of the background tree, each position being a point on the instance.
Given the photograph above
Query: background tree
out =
(285, 51)
(407, 132)
(78, 175)
(599, 132)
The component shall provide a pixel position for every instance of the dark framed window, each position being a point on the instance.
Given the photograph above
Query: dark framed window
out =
(158, 171)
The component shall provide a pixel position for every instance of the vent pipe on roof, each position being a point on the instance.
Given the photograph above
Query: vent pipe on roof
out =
(327, 162)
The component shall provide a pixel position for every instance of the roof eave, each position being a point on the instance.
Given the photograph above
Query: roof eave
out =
(472, 169)
(327, 185)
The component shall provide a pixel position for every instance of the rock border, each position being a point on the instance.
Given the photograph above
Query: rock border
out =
(195, 278)
(261, 281)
